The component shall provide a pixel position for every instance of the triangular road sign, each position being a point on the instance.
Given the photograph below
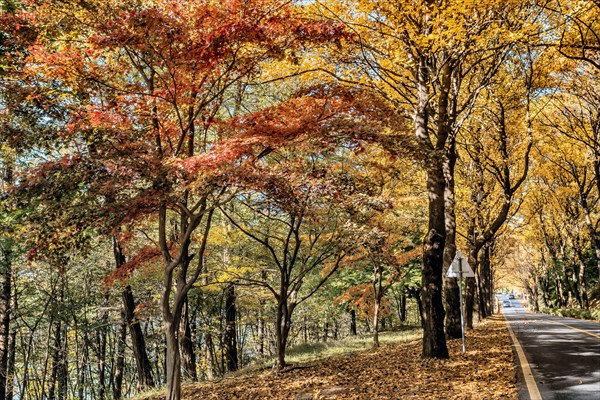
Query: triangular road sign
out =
(460, 264)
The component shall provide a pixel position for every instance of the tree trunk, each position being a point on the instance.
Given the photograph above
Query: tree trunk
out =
(120, 361)
(376, 324)
(6, 250)
(353, 322)
(188, 357)
(173, 362)
(63, 371)
(261, 333)
(453, 328)
(138, 343)
(434, 339)
(403, 307)
(280, 339)
(5, 300)
(230, 329)
(378, 294)
(283, 324)
(11, 360)
(56, 360)
(209, 356)
(101, 355)
(470, 293)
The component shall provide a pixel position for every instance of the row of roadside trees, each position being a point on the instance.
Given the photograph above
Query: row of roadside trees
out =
(274, 147)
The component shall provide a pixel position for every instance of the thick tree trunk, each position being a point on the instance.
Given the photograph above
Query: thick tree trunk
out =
(451, 293)
(188, 357)
(283, 324)
(173, 362)
(280, 339)
(231, 353)
(434, 339)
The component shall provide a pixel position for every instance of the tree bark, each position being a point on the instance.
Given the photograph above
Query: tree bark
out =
(120, 361)
(173, 362)
(6, 254)
(353, 322)
(188, 356)
(451, 293)
(5, 300)
(230, 329)
(434, 339)
(138, 343)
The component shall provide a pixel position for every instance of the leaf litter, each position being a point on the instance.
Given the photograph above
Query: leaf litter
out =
(485, 371)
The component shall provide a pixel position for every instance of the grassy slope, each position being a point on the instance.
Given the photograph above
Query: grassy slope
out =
(395, 371)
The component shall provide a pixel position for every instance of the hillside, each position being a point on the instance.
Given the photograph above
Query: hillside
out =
(485, 371)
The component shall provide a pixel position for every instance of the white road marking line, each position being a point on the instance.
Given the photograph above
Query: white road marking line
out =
(534, 393)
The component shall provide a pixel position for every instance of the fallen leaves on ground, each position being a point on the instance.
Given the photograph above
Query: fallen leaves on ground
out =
(485, 371)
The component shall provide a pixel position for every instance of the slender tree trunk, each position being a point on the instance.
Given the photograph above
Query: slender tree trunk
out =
(353, 322)
(120, 361)
(403, 307)
(484, 283)
(210, 358)
(11, 359)
(101, 354)
(138, 343)
(83, 367)
(230, 329)
(376, 325)
(280, 339)
(6, 254)
(56, 356)
(470, 293)
(5, 300)
(583, 285)
(63, 370)
(561, 301)
(261, 333)
(377, 293)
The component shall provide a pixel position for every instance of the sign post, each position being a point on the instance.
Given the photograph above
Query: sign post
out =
(458, 269)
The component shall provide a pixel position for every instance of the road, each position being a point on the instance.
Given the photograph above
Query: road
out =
(563, 354)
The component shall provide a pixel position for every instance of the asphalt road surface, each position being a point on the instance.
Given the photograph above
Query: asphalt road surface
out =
(563, 354)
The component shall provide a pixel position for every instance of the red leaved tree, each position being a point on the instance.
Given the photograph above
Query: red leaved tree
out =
(144, 88)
